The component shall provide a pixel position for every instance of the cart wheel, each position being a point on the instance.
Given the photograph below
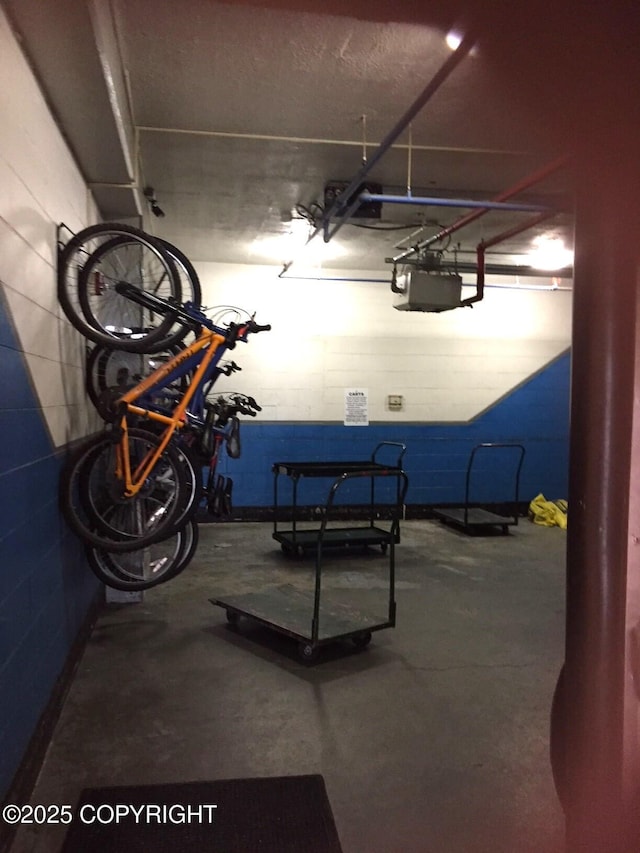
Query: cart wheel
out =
(361, 641)
(307, 652)
(293, 552)
(233, 618)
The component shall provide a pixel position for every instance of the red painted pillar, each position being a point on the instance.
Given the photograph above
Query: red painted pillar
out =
(578, 71)
(603, 465)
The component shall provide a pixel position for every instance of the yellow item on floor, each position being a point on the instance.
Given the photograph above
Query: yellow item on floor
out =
(548, 513)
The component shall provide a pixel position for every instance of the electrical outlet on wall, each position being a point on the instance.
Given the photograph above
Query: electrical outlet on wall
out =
(394, 402)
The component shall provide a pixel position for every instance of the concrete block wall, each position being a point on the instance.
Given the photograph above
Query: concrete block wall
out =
(46, 587)
(536, 415)
(465, 376)
(331, 335)
(497, 372)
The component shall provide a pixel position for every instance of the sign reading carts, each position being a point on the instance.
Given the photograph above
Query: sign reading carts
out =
(356, 407)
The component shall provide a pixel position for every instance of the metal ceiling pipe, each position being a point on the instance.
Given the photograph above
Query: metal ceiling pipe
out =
(346, 207)
(489, 270)
(430, 89)
(524, 184)
(450, 202)
(479, 294)
(517, 229)
(486, 244)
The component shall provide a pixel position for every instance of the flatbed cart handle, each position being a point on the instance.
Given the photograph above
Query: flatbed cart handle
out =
(386, 472)
(403, 448)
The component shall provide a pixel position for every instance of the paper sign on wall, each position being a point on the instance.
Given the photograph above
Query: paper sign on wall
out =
(356, 407)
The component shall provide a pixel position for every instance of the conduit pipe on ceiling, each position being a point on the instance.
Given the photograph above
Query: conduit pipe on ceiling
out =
(525, 183)
(450, 202)
(346, 208)
(346, 203)
(350, 279)
(486, 244)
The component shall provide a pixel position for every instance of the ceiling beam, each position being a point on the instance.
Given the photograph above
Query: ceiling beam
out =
(74, 52)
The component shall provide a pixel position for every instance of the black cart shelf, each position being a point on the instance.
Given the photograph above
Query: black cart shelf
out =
(296, 540)
(471, 518)
(298, 613)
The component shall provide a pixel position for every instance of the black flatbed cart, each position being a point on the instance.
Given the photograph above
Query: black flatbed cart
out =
(298, 613)
(471, 518)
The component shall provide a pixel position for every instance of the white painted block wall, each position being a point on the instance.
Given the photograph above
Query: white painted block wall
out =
(41, 187)
(332, 335)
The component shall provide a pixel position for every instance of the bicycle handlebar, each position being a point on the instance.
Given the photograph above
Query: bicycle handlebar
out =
(235, 404)
(253, 404)
(239, 331)
(188, 314)
(229, 368)
(244, 405)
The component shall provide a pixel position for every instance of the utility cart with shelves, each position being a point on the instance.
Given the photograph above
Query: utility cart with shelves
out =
(307, 614)
(295, 539)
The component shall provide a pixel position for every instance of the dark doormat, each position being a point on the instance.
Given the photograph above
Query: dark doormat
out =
(283, 814)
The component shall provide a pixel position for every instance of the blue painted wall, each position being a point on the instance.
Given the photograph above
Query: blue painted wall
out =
(536, 415)
(45, 586)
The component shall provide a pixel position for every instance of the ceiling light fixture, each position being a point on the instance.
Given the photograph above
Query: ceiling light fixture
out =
(548, 252)
(453, 39)
(455, 36)
(294, 243)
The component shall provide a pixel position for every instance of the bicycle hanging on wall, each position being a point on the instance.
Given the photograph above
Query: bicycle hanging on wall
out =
(138, 484)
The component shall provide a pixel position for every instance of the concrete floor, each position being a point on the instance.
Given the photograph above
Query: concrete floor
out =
(434, 739)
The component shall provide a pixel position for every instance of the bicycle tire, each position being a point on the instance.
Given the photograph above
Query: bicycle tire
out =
(114, 520)
(95, 511)
(192, 470)
(188, 500)
(89, 267)
(112, 370)
(189, 279)
(147, 567)
(115, 318)
(139, 329)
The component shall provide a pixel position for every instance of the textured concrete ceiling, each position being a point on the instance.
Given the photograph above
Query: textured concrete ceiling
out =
(237, 113)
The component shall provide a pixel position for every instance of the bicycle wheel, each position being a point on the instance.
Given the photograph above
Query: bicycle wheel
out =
(147, 567)
(116, 371)
(137, 328)
(191, 464)
(192, 493)
(189, 280)
(93, 504)
(189, 283)
(89, 268)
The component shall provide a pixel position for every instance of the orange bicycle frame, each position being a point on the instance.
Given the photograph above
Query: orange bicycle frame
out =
(209, 341)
